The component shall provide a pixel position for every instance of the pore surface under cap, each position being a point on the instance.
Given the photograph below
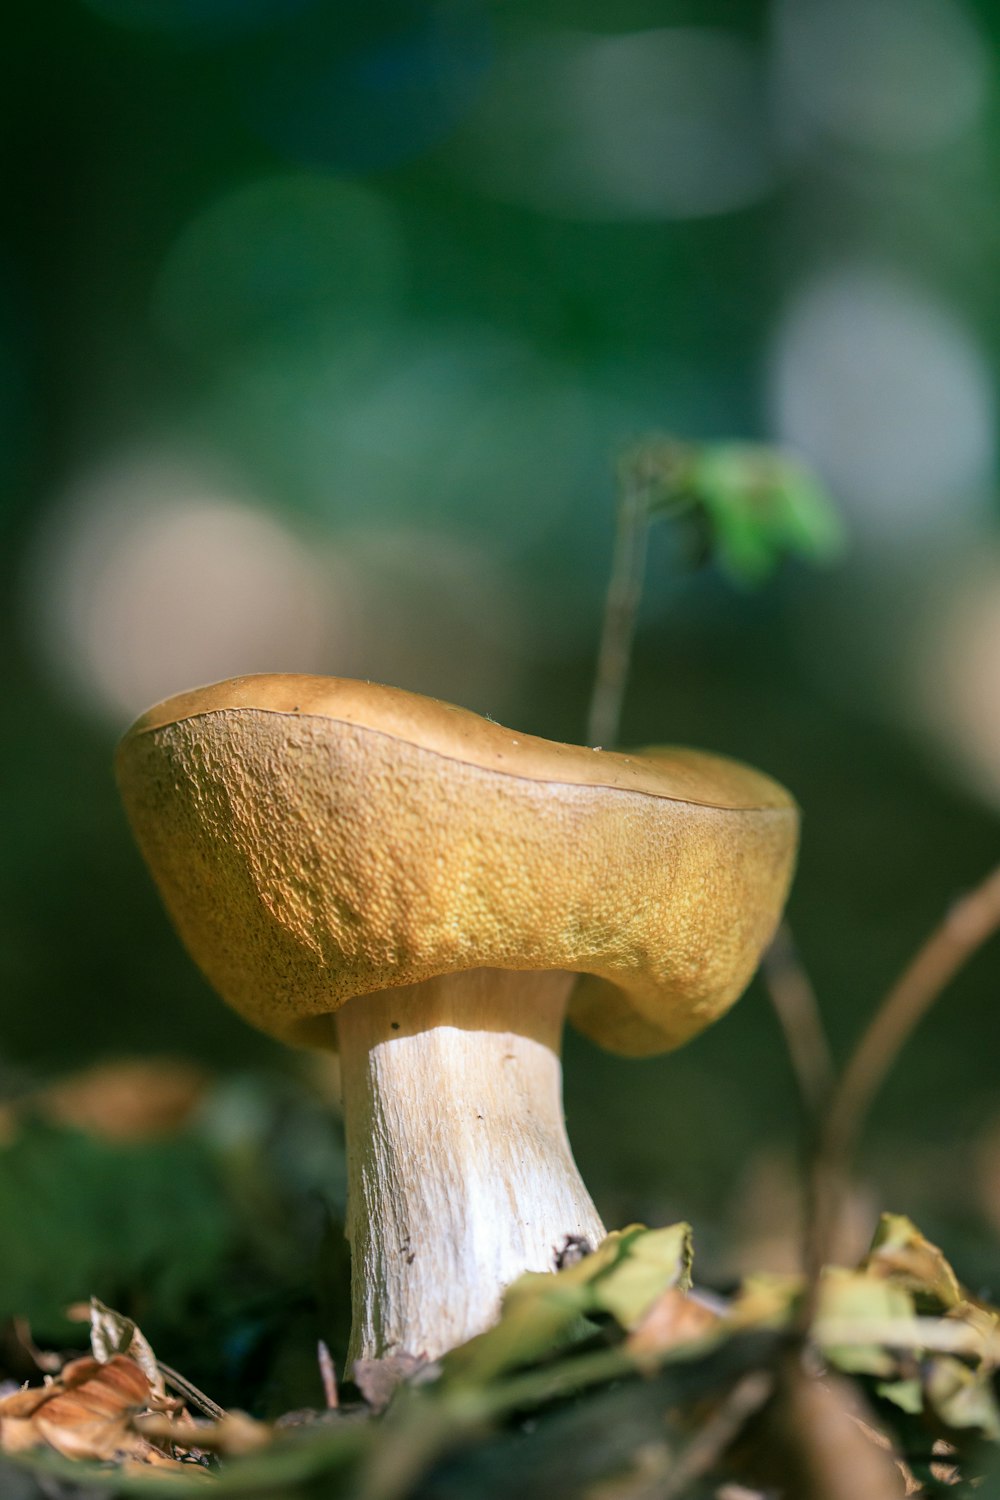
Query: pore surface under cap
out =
(316, 839)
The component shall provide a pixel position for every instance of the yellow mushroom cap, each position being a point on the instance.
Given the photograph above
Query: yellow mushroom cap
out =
(316, 838)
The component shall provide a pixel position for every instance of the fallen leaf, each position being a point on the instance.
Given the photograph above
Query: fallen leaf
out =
(234, 1436)
(852, 1298)
(543, 1310)
(378, 1379)
(942, 1467)
(649, 1263)
(907, 1394)
(674, 1318)
(112, 1333)
(86, 1412)
(963, 1397)
(900, 1252)
(137, 1099)
(764, 1301)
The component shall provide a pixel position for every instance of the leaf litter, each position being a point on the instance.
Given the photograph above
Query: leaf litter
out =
(894, 1392)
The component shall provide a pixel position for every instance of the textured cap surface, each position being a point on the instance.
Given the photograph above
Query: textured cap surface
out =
(317, 838)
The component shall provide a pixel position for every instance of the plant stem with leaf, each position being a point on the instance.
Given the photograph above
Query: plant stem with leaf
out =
(651, 473)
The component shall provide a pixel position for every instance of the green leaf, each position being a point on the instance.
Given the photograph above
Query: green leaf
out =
(143, 1223)
(542, 1311)
(900, 1252)
(907, 1394)
(754, 504)
(853, 1300)
(963, 1397)
(647, 1265)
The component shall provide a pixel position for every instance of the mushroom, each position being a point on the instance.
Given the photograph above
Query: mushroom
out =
(361, 868)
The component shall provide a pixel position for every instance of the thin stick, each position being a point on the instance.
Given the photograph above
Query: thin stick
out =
(970, 923)
(328, 1375)
(183, 1387)
(717, 1434)
(621, 609)
(797, 1010)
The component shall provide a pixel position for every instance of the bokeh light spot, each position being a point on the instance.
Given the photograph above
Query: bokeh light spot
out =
(286, 252)
(956, 676)
(149, 579)
(661, 124)
(417, 594)
(878, 384)
(457, 430)
(893, 75)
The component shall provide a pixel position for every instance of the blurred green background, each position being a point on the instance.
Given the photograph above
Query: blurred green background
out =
(320, 327)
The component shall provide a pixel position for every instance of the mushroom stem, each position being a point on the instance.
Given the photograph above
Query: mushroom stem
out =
(460, 1174)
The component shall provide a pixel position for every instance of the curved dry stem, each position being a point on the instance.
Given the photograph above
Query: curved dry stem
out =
(970, 923)
(798, 1013)
(621, 608)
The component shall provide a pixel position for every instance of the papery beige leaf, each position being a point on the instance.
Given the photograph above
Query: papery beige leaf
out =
(963, 1397)
(901, 1252)
(852, 1298)
(112, 1333)
(234, 1436)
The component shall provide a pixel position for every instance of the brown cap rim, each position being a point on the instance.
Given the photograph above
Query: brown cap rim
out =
(668, 773)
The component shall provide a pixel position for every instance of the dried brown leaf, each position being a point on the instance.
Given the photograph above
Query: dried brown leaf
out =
(130, 1100)
(92, 1411)
(674, 1318)
(377, 1379)
(87, 1412)
(943, 1466)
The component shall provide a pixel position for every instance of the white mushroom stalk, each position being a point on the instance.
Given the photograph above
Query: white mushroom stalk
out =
(460, 1174)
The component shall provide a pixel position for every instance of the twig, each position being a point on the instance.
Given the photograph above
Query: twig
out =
(718, 1433)
(621, 608)
(654, 477)
(797, 1010)
(968, 925)
(183, 1387)
(944, 1335)
(328, 1375)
